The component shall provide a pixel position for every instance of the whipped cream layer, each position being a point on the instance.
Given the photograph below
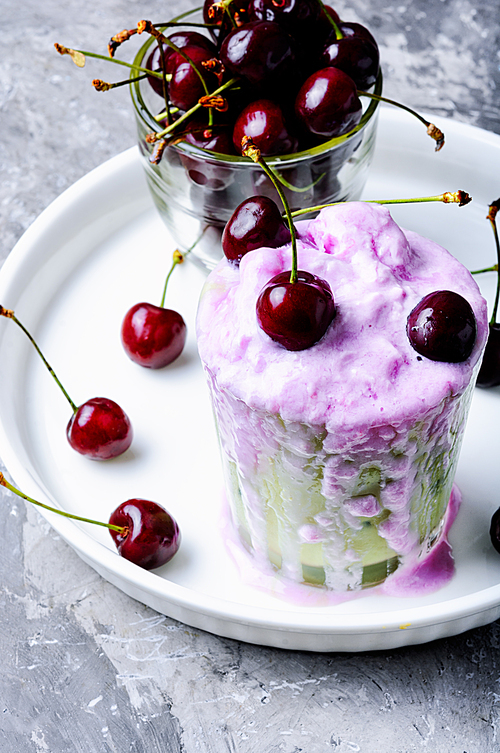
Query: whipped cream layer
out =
(364, 370)
(339, 460)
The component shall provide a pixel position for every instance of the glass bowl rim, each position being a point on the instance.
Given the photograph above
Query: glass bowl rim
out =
(143, 112)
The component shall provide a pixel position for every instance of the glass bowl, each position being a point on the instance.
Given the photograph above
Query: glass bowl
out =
(196, 191)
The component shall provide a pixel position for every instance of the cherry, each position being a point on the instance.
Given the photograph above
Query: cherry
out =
(151, 536)
(255, 223)
(99, 429)
(260, 51)
(327, 103)
(356, 53)
(295, 314)
(442, 327)
(495, 530)
(263, 122)
(214, 139)
(181, 39)
(489, 373)
(296, 16)
(144, 533)
(185, 87)
(153, 336)
(207, 173)
(217, 15)
(324, 22)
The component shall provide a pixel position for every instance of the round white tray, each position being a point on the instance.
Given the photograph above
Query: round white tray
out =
(98, 249)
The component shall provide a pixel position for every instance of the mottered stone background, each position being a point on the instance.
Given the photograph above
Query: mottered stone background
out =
(86, 669)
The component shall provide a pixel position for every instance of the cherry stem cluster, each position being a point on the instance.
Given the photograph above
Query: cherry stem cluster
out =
(9, 314)
(160, 134)
(123, 530)
(248, 149)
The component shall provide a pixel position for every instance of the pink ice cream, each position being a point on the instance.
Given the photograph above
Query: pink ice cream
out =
(339, 460)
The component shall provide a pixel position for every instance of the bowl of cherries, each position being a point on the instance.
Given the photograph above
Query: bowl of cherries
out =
(289, 74)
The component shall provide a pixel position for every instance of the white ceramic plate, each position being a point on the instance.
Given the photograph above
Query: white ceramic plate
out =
(100, 248)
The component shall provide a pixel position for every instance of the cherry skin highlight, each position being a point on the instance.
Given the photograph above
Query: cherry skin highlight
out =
(295, 315)
(442, 327)
(152, 536)
(255, 223)
(100, 429)
(153, 336)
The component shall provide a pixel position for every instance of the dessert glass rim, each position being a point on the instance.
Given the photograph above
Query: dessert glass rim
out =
(148, 119)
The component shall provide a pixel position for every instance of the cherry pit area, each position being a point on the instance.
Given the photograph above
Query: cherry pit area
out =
(98, 249)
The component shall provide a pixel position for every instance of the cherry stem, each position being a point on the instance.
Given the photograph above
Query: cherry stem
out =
(494, 268)
(433, 131)
(9, 314)
(229, 12)
(449, 197)
(186, 23)
(491, 216)
(176, 20)
(178, 258)
(296, 189)
(103, 86)
(65, 51)
(123, 530)
(248, 149)
(338, 33)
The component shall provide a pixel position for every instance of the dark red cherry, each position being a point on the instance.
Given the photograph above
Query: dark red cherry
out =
(260, 51)
(100, 429)
(296, 16)
(323, 30)
(489, 373)
(181, 39)
(263, 122)
(356, 54)
(327, 103)
(324, 20)
(185, 87)
(153, 336)
(214, 139)
(495, 530)
(442, 327)
(295, 315)
(152, 536)
(208, 173)
(255, 223)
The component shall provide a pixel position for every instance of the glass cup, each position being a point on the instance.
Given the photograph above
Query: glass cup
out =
(325, 515)
(196, 191)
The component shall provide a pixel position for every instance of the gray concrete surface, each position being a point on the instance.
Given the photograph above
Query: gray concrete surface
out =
(83, 667)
